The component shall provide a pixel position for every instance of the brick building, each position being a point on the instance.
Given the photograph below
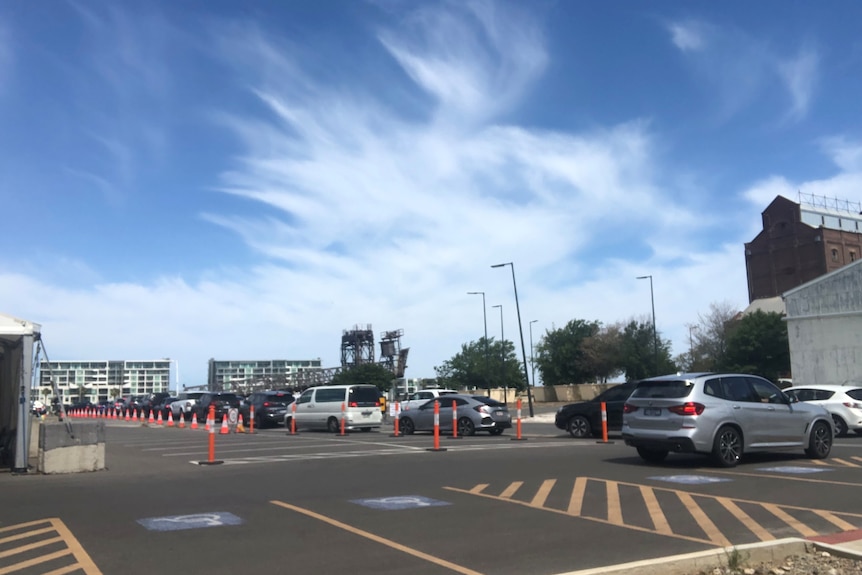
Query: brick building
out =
(800, 242)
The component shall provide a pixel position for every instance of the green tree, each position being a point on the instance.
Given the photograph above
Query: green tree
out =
(472, 368)
(641, 358)
(560, 356)
(602, 352)
(757, 343)
(372, 373)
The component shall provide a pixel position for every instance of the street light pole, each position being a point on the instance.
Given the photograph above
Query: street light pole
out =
(502, 356)
(654, 331)
(532, 360)
(485, 318)
(521, 330)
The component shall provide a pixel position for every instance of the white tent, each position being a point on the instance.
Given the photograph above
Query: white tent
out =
(17, 338)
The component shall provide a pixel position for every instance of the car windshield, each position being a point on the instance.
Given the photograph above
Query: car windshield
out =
(671, 388)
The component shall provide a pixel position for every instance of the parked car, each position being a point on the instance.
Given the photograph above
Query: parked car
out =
(584, 418)
(414, 400)
(844, 403)
(151, 402)
(323, 407)
(164, 407)
(185, 403)
(223, 401)
(722, 415)
(474, 413)
(270, 407)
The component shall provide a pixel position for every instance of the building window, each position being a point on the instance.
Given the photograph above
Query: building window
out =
(834, 255)
(852, 256)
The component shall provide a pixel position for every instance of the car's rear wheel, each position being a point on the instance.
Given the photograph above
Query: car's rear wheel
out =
(727, 447)
(819, 441)
(466, 427)
(579, 427)
(406, 426)
(652, 455)
(840, 426)
(332, 425)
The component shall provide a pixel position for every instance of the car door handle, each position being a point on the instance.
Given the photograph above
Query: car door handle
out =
(770, 408)
(737, 407)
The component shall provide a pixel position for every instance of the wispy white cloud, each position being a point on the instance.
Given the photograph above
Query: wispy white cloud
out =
(740, 68)
(800, 78)
(688, 36)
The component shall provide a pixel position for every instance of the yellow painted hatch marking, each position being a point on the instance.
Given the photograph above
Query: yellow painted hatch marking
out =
(576, 501)
(746, 519)
(379, 539)
(511, 489)
(615, 512)
(542, 494)
(660, 522)
(80, 560)
(803, 529)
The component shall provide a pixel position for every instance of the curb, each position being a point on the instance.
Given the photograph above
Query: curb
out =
(708, 560)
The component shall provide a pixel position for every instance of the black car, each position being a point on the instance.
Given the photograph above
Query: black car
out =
(151, 402)
(223, 402)
(270, 407)
(584, 418)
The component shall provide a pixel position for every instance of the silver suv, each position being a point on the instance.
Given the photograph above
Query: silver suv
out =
(723, 415)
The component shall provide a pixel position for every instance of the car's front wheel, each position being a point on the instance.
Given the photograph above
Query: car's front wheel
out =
(727, 447)
(652, 455)
(819, 441)
(406, 426)
(579, 427)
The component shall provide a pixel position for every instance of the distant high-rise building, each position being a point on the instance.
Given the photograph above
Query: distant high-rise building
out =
(101, 380)
(252, 374)
(800, 242)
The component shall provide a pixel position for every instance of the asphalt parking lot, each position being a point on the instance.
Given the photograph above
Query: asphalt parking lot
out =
(371, 503)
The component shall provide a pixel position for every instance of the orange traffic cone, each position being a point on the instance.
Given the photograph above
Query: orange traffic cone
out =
(160, 421)
(194, 420)
(134, 415)
(182, 419)
(224, 428)
(170, 418)
(239, 426)
(128, 417)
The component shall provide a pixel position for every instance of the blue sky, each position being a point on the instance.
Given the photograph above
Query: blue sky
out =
(214, 179)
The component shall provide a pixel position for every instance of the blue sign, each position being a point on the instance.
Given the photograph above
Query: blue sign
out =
(690, 479)
(196, 521)
(400, 502)
(794, 470)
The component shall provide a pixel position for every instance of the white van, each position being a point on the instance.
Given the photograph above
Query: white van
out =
(321, 408)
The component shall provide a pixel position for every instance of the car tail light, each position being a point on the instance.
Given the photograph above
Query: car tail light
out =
(852, 404)
(629, 408)
(352, 404)
(267, 404)
(687, 408)
(483, 409)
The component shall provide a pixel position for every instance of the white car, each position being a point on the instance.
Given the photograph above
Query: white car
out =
(843, 402)
(185, 403)
(414, 400)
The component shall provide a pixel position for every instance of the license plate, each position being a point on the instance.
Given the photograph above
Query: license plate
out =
(652, 411)
(498, 413)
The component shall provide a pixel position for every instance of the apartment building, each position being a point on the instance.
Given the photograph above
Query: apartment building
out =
(100, 380)
(245, 375)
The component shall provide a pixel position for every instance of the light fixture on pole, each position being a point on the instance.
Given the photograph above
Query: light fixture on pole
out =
(654, 331)
(521, 330)
(532, 360)
(502, 356)
(485, 319)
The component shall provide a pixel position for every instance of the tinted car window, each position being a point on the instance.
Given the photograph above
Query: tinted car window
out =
(305, 397)
(714, 388)
(363, 396)
(765, 392)
(619, 393)
(855, 393)
(329, 395)
(488, 401)
(673, 388)
(737, 389)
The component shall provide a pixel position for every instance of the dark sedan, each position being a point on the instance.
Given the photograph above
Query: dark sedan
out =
(221, 401)
(584, 418)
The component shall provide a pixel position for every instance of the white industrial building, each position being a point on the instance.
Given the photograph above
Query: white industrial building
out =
(824, 328)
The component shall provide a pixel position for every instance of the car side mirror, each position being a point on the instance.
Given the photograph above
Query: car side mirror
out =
(790, 398)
